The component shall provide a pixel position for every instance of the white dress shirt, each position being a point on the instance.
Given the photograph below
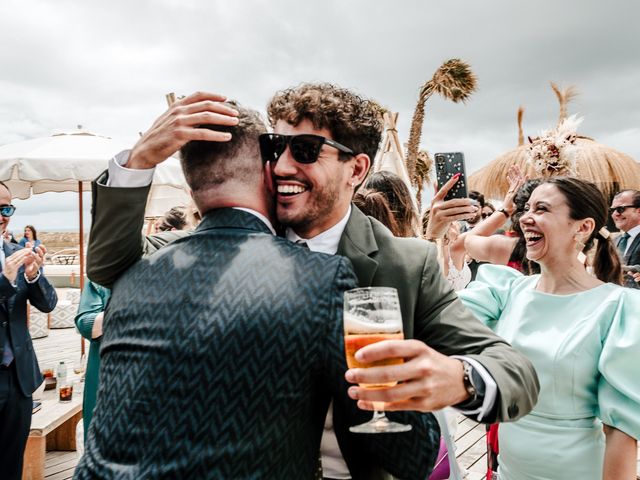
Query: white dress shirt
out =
(333, 465)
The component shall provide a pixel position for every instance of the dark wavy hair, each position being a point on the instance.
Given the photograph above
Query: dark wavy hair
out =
(399, 199)
(352, 120)
(374, 204)
(33, 231)
(529, 267)
(586, 201)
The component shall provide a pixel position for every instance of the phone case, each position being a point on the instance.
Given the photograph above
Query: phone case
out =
(447, 165)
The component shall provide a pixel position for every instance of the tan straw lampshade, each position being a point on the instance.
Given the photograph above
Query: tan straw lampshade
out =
(608, 168)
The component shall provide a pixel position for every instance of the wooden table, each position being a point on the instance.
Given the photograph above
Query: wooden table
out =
(53, 427)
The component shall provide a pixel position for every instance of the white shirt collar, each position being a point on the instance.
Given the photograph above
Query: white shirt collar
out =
(325, 242)
(633, 232)
(259, 215)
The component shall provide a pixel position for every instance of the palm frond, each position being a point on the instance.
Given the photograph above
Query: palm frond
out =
(564, 96)
(520, 131)
(455, 81)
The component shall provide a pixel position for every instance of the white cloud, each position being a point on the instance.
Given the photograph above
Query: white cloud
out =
(108, 65)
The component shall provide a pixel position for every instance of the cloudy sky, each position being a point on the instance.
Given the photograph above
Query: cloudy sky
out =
(108, 65)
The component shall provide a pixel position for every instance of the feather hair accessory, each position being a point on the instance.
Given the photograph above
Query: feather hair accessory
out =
(554, 152)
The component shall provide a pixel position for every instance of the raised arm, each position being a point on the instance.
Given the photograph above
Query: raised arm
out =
(115, 241)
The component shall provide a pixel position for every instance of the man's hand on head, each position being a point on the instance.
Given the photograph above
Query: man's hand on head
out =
(180, 125)
(430, 380)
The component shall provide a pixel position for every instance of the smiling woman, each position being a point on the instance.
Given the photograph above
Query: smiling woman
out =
(575, 329)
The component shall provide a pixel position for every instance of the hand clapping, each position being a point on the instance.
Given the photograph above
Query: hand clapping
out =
(27, 257)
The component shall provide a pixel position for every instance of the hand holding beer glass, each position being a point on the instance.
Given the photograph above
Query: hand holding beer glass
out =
(372, 315)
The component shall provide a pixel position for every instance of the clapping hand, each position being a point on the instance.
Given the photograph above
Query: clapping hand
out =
(12, 264)
(34, 262)
(181, 124)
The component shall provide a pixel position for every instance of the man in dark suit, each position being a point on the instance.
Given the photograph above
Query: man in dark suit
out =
(625, 212)
(21, 281)
(222, 351)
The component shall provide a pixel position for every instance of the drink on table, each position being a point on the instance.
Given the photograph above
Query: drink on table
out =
(372, 315)
(66, 392)
(47, 372)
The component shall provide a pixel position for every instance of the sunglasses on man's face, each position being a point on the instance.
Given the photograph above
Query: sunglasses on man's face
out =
(619, 210)
(305, 148)
(7, 210)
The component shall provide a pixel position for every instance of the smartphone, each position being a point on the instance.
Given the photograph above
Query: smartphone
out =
(447, 165)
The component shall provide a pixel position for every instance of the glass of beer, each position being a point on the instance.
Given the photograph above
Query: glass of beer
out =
(372, 315)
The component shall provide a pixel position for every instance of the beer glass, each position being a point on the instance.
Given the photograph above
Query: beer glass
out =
(371, 315)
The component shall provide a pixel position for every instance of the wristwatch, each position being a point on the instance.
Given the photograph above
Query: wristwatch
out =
(467, 379)
(504, 211)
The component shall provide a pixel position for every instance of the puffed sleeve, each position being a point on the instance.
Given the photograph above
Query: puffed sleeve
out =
(619, 384)
(488, 294)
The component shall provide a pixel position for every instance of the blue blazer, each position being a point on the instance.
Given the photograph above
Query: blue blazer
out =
(13, 320)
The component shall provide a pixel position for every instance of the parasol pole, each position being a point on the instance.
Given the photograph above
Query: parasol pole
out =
(81, 253)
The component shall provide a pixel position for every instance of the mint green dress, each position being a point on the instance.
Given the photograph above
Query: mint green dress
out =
(93, 300)
(586, 350)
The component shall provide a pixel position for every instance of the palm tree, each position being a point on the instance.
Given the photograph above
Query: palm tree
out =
(455, 81)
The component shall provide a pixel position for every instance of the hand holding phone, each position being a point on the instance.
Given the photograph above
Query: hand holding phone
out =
(447, 165)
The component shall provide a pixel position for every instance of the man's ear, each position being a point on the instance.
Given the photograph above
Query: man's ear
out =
(361, 166)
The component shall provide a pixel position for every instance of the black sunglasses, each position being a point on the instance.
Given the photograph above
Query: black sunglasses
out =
(305, 148)
(620, 209)
(7, 210)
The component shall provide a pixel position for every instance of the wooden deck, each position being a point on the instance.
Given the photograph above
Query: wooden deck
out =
(64, 344)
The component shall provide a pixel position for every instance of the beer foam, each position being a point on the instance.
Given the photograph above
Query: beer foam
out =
(377, 321)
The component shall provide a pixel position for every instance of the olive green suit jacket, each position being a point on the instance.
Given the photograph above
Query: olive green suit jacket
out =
(431, 311)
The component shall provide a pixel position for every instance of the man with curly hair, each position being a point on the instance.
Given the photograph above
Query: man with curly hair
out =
(450, 358)
(321, 149)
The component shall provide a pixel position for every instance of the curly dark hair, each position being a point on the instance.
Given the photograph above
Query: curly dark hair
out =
(352, 120)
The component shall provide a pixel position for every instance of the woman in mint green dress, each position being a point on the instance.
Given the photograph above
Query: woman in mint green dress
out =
(581, 332)
(89, 323)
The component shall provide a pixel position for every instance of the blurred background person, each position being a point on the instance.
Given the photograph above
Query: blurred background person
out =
(399, 199)
(31, 236)
(477, 199)
(173, 219)
(625, 212)
(374, 204)
(88, 320)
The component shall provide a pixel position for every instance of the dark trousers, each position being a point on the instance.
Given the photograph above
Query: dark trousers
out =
(15, 421)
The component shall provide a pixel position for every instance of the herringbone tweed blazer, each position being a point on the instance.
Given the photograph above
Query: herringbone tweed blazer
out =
(220, 356)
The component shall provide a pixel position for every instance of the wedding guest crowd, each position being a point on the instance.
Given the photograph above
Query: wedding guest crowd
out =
(217, 350)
